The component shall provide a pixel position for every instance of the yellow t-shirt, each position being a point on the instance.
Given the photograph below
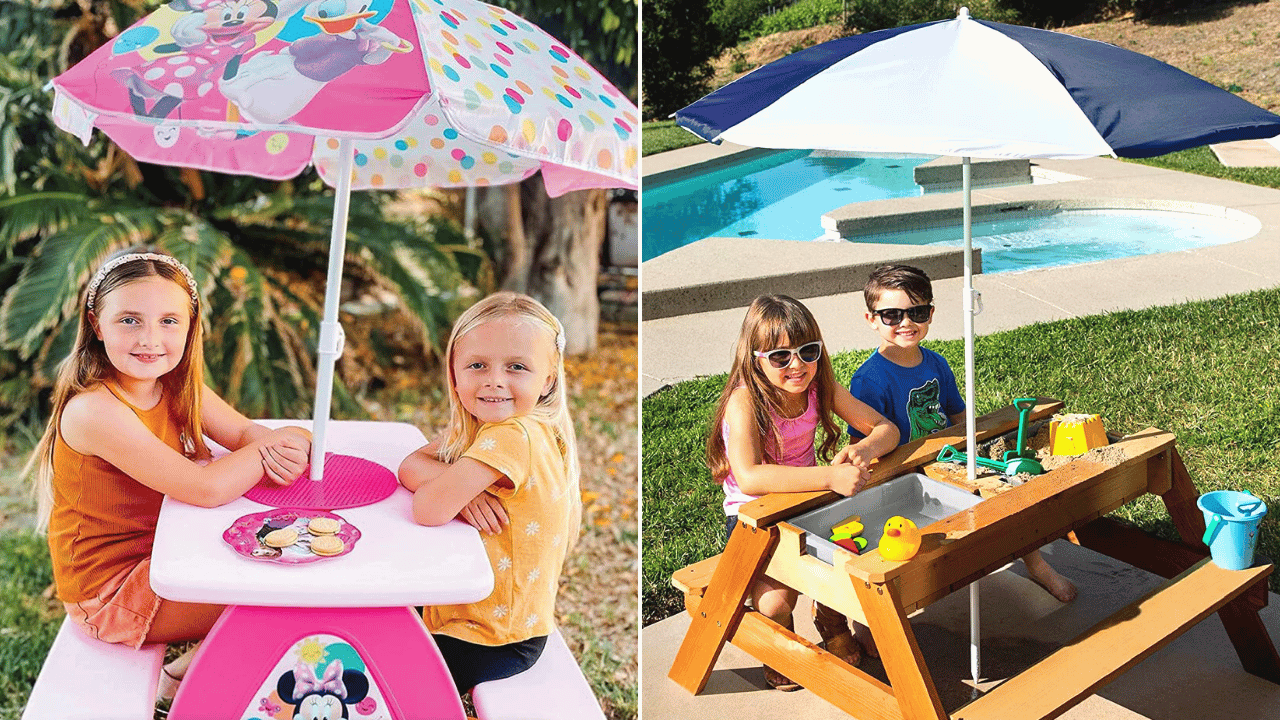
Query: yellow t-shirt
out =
(545, 509)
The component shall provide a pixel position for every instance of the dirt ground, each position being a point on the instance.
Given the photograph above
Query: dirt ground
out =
(1234, 45)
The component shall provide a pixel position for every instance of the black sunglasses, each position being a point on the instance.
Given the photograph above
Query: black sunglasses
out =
(780, 358)
(893, 316)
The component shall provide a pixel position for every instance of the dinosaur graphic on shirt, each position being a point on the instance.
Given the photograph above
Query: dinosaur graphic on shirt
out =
(924, 409)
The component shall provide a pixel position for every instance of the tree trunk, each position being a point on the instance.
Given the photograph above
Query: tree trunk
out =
(554, 253)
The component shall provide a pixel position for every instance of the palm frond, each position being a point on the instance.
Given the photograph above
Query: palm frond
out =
(28, 214)
(201, 247)
(48, 288)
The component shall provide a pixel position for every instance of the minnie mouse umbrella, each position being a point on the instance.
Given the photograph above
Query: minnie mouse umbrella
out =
(377, 94)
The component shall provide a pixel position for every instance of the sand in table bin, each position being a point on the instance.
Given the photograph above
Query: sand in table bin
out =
(1038, 442)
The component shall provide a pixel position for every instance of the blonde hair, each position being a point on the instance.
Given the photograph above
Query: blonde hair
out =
(87, 367)
(768, 320)
(552, 408)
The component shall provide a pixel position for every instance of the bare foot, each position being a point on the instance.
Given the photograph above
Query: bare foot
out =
(1048, 578)
(863, 635)
(778, 681)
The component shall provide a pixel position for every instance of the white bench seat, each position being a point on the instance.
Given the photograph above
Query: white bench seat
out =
(553, 689)
(87, 679)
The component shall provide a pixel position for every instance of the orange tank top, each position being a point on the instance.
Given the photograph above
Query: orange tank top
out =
(103, 521)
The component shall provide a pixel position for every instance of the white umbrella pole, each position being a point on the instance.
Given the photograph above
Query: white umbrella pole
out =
(331, 335)
(975, 651)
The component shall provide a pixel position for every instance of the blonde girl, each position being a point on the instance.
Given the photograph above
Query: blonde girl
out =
(130, 414)
(507, 464)
(780, 390)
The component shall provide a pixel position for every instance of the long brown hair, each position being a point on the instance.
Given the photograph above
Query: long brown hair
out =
(87, 366)
(769, 319)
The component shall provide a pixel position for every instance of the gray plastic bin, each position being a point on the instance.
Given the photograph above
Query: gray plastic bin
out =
(917, 497)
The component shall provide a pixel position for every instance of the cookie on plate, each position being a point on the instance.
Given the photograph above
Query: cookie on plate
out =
(327, 545)
(284, 537)
(323, 526)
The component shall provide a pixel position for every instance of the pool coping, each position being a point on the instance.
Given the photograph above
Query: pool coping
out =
(1012, 299)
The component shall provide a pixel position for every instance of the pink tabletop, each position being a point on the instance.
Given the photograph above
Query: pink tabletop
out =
(395, 563)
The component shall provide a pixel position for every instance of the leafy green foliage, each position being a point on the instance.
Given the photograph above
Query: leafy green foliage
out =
(869, 15)
(797, 16)
(677, 52)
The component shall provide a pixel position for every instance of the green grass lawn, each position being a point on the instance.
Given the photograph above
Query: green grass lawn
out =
(27, 626)
(1209, 372)
(664, 135)
(1202, 161)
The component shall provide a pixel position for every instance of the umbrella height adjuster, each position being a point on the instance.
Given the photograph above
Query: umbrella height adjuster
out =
(332, 340)
(977, 302)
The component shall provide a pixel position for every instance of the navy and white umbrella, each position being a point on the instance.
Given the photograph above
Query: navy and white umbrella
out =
(972, 88)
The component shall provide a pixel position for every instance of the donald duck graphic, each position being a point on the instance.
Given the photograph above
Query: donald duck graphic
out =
(272, 87)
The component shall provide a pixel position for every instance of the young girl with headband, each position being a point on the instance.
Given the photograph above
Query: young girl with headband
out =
(128, 425)
(507, 464)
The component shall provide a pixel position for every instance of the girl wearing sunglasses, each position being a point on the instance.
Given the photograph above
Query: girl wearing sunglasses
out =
(780, 390)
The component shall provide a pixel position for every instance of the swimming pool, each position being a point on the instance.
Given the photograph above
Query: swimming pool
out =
(1037, 239)
(770, 194)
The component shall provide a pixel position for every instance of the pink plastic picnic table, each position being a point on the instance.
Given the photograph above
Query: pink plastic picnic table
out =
(340, 630)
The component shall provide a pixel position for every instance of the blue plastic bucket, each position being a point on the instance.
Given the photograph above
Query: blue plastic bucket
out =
(1231, 526)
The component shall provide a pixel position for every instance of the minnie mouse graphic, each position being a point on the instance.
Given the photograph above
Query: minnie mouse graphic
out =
(210, 38)
(324, 698)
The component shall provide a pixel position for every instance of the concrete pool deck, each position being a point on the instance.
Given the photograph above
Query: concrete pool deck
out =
(1010, 299)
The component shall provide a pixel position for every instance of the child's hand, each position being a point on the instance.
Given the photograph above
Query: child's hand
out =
(853, 454)
(285, 455)
(485, 513)
(847, 479)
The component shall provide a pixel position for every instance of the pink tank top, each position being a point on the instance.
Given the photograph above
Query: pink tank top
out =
(797, 448)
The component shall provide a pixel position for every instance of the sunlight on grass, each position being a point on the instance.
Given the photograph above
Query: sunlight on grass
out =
(664, 135)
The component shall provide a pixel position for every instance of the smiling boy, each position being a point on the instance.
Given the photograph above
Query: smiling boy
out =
(913, 386)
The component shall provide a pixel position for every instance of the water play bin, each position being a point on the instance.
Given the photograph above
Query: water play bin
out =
(914, 496)
(1231, 526)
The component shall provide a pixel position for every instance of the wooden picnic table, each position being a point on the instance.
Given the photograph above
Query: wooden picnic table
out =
(1069, 501)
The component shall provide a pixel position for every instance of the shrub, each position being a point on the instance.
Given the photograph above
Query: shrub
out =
(677, 54)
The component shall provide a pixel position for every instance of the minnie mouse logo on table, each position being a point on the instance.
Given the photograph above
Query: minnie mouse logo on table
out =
(320, 678)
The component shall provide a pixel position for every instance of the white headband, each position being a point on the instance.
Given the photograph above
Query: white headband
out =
(112, 265)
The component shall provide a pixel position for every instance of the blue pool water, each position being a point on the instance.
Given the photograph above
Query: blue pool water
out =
(783, 195)
(1023, 241)
(780, 195)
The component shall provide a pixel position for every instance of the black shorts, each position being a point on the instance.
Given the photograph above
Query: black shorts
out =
(472, 664)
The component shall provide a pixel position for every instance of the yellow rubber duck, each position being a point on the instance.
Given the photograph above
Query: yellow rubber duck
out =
(901, 539)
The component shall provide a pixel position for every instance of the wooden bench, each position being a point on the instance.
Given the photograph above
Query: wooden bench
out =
(553, 689)
(87, 679)
(1073, 673)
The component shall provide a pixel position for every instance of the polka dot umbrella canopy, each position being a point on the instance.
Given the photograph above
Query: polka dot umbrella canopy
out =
(376, 94)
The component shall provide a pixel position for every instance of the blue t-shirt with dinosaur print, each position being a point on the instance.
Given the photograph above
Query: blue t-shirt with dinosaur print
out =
(917, 399)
